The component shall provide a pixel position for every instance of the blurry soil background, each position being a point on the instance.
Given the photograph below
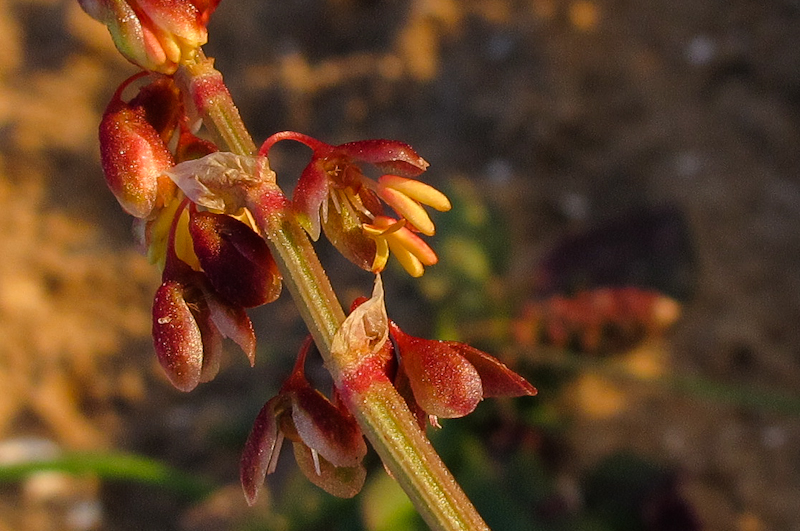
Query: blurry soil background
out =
(552, 121)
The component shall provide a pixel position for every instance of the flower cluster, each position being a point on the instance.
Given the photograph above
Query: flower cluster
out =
(600, 320)
(327, 442)
(444, 379)
(335, 196)
(214, 265)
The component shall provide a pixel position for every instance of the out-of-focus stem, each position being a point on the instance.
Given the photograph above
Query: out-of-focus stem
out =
(381, 412)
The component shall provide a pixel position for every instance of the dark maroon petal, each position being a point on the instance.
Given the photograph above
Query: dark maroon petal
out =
(496, 378)
(310, 194)
(161, 102)
(176, 336)
(445, 384)
(343, 482)
(260, 451)
(235, 259)
(330, 431)
(390, 156)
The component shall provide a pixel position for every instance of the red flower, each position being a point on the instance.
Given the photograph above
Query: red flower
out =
(333, 194)
(327, 442)
(437, 378)
(194, 309)
(189, 323)
(133, 152)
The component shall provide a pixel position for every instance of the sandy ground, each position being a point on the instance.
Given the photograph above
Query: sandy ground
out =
(562, 115)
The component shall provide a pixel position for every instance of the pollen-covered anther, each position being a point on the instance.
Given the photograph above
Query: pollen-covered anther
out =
(410, 250)
(407, 197)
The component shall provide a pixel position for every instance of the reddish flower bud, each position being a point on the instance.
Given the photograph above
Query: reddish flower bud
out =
(134, 158)
(156, 35)
(448, 379)
(177, 338)
(236, 260)
(444, 383)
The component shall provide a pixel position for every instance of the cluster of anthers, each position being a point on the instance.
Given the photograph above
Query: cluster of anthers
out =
(202, 215)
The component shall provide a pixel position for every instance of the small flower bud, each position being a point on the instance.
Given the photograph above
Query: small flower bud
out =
(134, 159)
(444, 383)
(448, 379)
(155, 35)
(177, 337)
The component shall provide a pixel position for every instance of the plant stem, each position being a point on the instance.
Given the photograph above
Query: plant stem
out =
(382, 413)
(203, 87)
(113, 466)
(412, 460)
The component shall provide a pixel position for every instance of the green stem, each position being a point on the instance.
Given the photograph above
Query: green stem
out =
(113, 466)
(203, 86)
(304, 275)
(412, 460)
(381, 412)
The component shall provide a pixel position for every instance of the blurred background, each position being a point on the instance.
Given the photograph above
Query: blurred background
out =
(637, 157)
